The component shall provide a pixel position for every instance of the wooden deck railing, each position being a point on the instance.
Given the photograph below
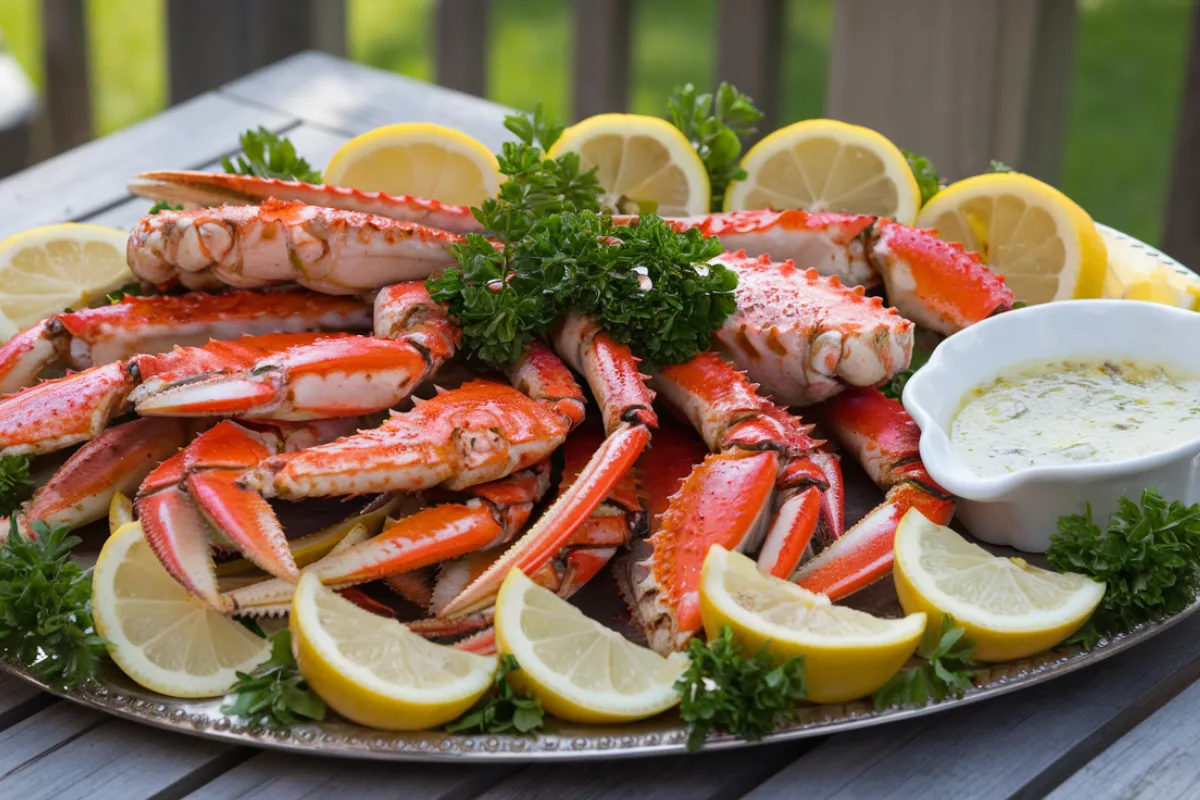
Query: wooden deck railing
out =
(962, 82)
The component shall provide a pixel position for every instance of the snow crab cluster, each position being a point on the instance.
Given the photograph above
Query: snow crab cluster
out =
(273, 388)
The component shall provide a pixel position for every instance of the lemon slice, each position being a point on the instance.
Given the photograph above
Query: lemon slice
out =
(47, 269)
(579, 669)
(826, 165)
(159, 635)
(847, 653)
(1135, 274)
(643, 163)
(120, 512)
(1010, 609)
(1046, 247)
(418, 158)
(376, 671)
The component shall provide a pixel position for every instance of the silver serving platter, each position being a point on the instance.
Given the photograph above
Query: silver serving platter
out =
(664, 735)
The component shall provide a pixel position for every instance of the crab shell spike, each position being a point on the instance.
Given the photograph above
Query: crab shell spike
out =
(570, 510)
(269, 598)
(115, 461)
(216, 188)
(481, 644)
(611, 371)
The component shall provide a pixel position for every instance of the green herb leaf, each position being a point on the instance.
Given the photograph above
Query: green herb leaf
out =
(15, 486)
(267, 155)
(45, 607)
(747, 696)
(1146, 556)
(133, 289)
(924, 343)
(503, 709)
(927, 177)
(275, 693)
(948, 672)
(999, 166)
(715, 131)
(162, 205)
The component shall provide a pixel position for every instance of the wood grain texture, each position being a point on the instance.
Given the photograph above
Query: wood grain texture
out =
(1156, 760)
(68, 89)
(980, 80)
(697, 777)
(460, 33)
(1181, 238)
(90, 178)
(280, 776)
(600, 61)
(749, 53)
(353, 99)
(1022, 745)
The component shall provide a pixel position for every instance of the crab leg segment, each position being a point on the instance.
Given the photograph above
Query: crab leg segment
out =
(218, 188)
(881, 435)
(323, 249)
(95, 336)
(625, 402)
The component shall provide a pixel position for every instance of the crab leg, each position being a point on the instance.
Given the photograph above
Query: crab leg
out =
(218, 188)
(881, 435)
(323, 249)
(95, 336)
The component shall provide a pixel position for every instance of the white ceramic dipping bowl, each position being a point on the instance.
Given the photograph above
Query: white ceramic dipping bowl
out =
(1021, 509)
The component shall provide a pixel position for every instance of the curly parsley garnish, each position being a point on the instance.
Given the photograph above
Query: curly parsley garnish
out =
(745, 696)
(502, 709)
(715, 126)
(15, 486)
(163, 205)
(275, 693)
(1146, 556)
(648, 286)
(948, 671)
(999, 166)
(45, 608)
(266, 155)
(927, 177)
(921, 354)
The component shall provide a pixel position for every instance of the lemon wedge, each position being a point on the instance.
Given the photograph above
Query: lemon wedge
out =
(827, 165)
(579, 669)
(1135, 274)
(47, 269)
(159, 635)
(376, 671)
(1010, 609)
(120, 512)
(847, 653)
(418, 158)
(643, 163)
(1046, 247)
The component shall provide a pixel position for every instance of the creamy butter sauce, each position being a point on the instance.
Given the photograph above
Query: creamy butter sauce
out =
(1075, 412)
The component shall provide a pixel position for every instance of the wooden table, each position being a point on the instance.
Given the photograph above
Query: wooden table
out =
(1124, 728)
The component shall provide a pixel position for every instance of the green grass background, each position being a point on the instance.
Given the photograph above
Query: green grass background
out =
(1129, 64)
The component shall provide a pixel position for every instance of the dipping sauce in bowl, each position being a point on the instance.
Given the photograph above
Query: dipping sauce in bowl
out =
(1075, 412)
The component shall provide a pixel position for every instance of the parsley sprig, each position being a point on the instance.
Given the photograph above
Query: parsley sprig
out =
(163, 205)
(923, 346)
(275, 693)
(715, 125)
(266, 155)
(502, 709)
(45, 607)
(948, 671)
(15, 485)
(745, 696)
(927, 177)
(1146, 555)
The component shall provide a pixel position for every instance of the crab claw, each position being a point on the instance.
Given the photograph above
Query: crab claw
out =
(59, 413)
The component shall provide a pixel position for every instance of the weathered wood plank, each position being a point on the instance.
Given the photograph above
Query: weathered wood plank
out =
(1182, 235)
(216, 41)
(712, 775)
(981, 80)
(600, 63)
(351, 98)
(460, 33)
(1022, 745)
(92, 177)
(68, 93)
(749, 52)
(1156, 760)
(281, 776)
(70, 752)
(19, 699)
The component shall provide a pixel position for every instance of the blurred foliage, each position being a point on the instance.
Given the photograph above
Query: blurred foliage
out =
(1129, 56)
